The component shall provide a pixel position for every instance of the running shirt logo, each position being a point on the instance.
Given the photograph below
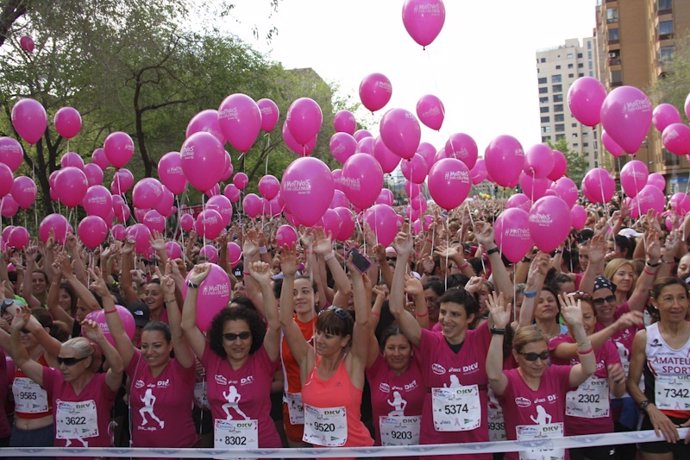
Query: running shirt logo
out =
(438, 369)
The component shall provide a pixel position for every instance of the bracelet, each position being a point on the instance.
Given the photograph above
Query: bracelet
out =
(648, 272)
(493, 250)
(529, 294)
(263, 250)
(170, 300)
(584, 352)
(644, 404)
(464, 265)
(192, 285)
(375, 314)
(114, 310)
(651, 265)
(329, 256)
(246, 274)
(421, 315)
(498, 331)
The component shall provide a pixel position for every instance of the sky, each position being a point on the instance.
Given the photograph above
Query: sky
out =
(482, 65)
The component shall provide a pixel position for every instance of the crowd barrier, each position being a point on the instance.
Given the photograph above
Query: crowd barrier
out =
(606, 439)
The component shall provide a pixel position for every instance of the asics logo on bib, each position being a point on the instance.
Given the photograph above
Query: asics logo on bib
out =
(438, 369)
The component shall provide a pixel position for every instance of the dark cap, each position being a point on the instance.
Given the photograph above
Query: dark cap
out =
(140, 311)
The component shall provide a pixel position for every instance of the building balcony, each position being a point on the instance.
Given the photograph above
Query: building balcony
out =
(614, 61)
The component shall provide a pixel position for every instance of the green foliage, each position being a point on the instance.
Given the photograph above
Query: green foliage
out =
(577, 164)
(674, 86)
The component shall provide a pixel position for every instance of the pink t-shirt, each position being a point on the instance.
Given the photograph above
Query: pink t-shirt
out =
(4, 386)
(251, 387)
(160, 407)
(80, 420)
(524, 407)
(605, 356)
(623, 338)
(442, 368)
(390, 392)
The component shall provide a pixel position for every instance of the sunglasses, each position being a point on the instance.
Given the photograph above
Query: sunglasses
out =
(599, 302)
(70, 361)
(231, 337)
(339, 312)
(6, 303)
(544, 355)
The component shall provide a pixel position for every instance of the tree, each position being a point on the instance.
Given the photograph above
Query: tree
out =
(674, 84)
(577, 164)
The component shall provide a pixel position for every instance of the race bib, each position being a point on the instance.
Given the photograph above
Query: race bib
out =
(672, 392)
(76, 419)
(29, 397)
(241, 434)
(325, 427)
(295, 408)
(497, 426)
(590, 400)
(399, 431)
(456, 408)
(547, 431)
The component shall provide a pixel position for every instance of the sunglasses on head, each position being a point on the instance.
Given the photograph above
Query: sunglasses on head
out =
(231, 337)
(339, 312)
(544, 355)
(70, 361)
(6, 303)
(601, 301)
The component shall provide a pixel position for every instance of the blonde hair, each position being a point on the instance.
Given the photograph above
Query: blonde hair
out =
(81, 345)
(526, 335)
(615, 264)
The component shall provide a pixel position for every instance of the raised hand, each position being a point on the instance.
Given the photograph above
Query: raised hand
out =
(21, 318)
(597, 249)
(499, 310)
(98, 284)
(250, 247)
(413, 286)
(571, 310)
(157, 241)
(288, 262)
(403, 244)
(261, 272)
(484, 233)
(653, 246)
(322, 244)
(448, 251)
(199, 273)
(92, 331)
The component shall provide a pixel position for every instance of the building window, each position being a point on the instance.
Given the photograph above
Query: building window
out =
(585, 144)
(559, 117)
(542, 60)
(560, 136)
(612, 15)
(546, 129)
(666, 53)
(557, 88)
(665, 30)
(543, 90)
(558, 107)
(558, 67)
(576, 144)
(544, 109)
(579, 55)
(570, 55)
(581, 74)
(570, 66)
(664, 5)
(616, 76)
(589, 55)
(560, 128)
(557, 98)
(542, 80)
(589, 45)
(614, 35)
(573, 125)
(555, 78)
(546, 139)
(571, 75)
(546, 119)
(580, 65)
(544, 100)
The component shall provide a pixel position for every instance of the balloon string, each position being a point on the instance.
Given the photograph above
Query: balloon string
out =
(33, 176)
(515, 295)
(445, 268)
(203, 221)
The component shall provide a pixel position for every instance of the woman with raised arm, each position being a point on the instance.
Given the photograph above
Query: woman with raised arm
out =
(161, 387)
(533, 395)
(661, 355)
(452, 363)
(240, 358)
(332, 369)
(82, 399)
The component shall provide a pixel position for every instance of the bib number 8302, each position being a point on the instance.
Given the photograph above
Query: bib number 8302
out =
(235, 440)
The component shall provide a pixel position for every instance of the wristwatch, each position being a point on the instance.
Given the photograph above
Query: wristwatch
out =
(644, 404)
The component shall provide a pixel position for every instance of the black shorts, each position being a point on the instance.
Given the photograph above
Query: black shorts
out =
(593, 453)
(679, 449)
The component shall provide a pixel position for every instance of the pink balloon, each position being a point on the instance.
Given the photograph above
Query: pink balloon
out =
(423, 19)
(227, 172)
(269, 114)
(344, 122)
(118, 232)
(11, 152)
(534, 188)
(633, 177)
(519, 200)
(386, 158)
(126, 318)
(165, 204)
(342, 146)
(18, 238)
(139, 214)
(203, 160)
(449, 183)
(205, 121)
(234, 253)
(539, 160)
(240, 180)
(94, 174)
(650, 197)
(375, 90)
(240, 120)
(385, 197)
(154, 220)
(141, 235)
(224, 207)
(147, 192)
(339, 199)
(585, 98)
(400, 132)
(252, 205)
(232, 193)
(119, 148)
(383, 221)
(30, 119)
(578, 217)
(610, 145)
(567, 190)
(560, 165)
(6, 179)
(676, 138)
(173, 250)
(680, 203)
(337, 175)
(411, 190)
(213, 191)
(171, 173)
(331, 223)
(58, 224)
(415, 169)
(120, 208)
(598, 186)
(428, 152)
(504, 160)
(347, 224)
(72, 159)
(361, 134)
(479, 173)
(8, 206)
(27, 43)
(286, 237)
(296, 147)
(123, 180)
(657, 180)
(430, 111)
(214, 295)
(462, 147)
(92, 231)
(366, 145)
(362, 179)
(304, 119)
(71, 185)
(98, 157)
(664, 114)
(512, 233)
(210, 253)
(549, 222)
(24, 191)
(269, 186)
(418, 203)
(67, 122)
(186, 222)
(307, 189)
(97, 201)
(626, 115)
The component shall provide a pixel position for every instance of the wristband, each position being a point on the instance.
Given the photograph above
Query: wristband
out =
(421, 315)
(498, 331)
(529, 294)
(644, 404)
(651, 265)
(192, 285)
(375, 314)
(169, 300)
(585, 352)
(107, 312)
(263, 250)
(648, 272)
(329, 256)
(464, 265)
(493, 250)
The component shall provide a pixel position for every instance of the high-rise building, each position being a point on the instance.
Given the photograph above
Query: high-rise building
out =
(557, 69)
(634, 40)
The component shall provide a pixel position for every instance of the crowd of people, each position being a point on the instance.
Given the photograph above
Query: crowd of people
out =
(434, 339)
